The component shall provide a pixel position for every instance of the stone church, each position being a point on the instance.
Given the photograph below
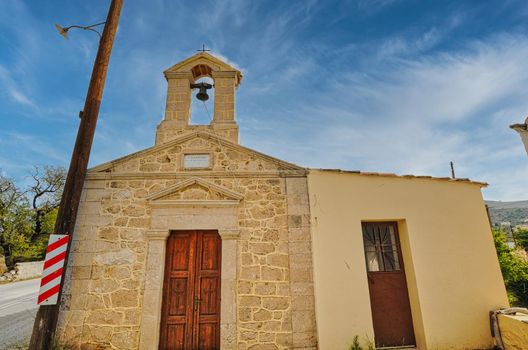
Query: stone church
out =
(201, 243)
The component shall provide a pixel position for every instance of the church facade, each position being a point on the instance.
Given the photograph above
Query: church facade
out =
(201, 243)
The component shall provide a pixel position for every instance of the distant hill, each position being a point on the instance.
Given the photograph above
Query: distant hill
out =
(515, 212)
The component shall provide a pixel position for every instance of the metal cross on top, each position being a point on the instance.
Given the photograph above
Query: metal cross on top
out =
(203, 49)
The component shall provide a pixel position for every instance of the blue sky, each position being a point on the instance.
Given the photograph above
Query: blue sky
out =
(399, 86)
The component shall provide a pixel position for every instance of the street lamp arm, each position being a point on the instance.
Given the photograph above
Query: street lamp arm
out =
(94, 25)
(64, 30)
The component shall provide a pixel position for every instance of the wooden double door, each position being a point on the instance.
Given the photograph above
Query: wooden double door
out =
(389, 297)
(191, 291)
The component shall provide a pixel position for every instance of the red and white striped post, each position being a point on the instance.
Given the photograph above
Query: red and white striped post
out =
(52, 270)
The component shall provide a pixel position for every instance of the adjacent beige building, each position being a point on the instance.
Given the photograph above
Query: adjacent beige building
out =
(201, 243)
(522, 129)
(452, 273)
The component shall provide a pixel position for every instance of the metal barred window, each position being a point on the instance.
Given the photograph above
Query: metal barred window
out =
(381, 246)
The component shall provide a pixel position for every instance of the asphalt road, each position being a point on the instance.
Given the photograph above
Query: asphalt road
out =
(18, 306)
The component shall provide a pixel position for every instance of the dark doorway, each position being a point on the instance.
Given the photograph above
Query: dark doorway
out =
(389, 298)
(190, 316)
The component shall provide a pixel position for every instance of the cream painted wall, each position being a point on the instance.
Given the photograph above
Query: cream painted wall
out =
(452, 271)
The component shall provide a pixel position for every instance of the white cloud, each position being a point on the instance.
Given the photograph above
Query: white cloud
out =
(13, 90)
(416, 115)
(28, 144)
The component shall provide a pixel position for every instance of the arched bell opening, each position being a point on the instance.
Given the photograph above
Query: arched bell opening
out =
(202, 104)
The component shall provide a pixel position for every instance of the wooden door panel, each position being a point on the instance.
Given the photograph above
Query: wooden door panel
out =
(191, 296)
(207, 335)
(175, 332)
(176, 337)
(389, 298)
(208, 296)
(181, 245)
(178, 297)
(209, 260)
(208, 289)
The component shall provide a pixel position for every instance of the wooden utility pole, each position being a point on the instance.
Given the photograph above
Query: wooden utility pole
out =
(47, 315)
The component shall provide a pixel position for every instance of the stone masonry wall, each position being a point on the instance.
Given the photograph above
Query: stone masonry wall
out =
(105, 283)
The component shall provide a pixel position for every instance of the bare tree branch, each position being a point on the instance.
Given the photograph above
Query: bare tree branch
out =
(46, 192)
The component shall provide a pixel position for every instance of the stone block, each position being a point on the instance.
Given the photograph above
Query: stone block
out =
(301, 274)
(262, 315)
(132, 317)
(125, 298)
(96, 195)
(250, 325)
(302, 288)
(250, 272)
(265, 337)
(248, 335)
(272, 274)
(279, 260)
(303, 302)
(300, 235)
(251, 301)
(108, 233)
(82, 259)
(81, 272)
(272, 326)
(300, 247)
(124, 256)
(100, 333)
(126, 339)
(276, 303)
(94, 302)
(245, 314)
(301, 260)
(103, 286)
(264, 346)
(265, 288)
(245, 287)
(139, 222)
(304, 340)
(228, 336)
(285, 340)
(294, 221)
(247, 259)
(119, 272)
(303, 321)
(104, 317)
(134, 210)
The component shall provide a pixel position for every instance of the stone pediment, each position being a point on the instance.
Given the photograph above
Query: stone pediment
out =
(203, 64)
(227, 156)
(195, 191)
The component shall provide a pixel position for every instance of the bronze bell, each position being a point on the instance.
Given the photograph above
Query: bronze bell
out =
(202, 94)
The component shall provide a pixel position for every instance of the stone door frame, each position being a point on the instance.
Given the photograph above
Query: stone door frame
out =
(189, 218)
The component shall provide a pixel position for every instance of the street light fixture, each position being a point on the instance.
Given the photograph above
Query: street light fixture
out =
(64, 30)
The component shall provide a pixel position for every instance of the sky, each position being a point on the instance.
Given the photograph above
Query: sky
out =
(399, 86)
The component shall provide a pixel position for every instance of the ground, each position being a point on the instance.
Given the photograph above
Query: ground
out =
(18, 306)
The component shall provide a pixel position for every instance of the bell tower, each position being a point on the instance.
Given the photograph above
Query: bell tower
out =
(179, 77)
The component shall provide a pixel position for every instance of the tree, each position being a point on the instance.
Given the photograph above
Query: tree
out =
(45, 194)
(27, 217)
(521, 237)
(15, 217)
(514, 267)
(10, 197)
